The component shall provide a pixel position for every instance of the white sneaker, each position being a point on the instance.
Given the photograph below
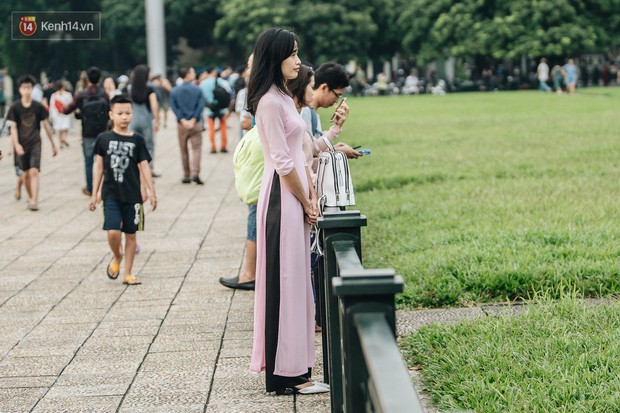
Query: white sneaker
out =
(320, 383)
(314, 389)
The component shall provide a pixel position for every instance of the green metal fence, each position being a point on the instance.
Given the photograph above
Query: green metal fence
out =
(361, 359)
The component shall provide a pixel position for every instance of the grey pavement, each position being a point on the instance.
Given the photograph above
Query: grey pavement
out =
(71, 340)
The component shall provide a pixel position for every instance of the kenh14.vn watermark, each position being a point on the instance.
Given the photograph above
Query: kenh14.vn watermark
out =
(51, 25)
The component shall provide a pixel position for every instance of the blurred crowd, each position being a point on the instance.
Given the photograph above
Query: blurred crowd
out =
(489, 77)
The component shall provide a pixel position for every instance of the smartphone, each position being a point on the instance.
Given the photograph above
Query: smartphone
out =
(336, 110)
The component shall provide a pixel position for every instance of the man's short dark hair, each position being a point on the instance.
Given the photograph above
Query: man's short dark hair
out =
(332, 74)
(120, 99)
(94, 74)
(183, 72)
(26, 79)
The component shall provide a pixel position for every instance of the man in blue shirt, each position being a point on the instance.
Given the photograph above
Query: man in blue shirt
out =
(187, 103)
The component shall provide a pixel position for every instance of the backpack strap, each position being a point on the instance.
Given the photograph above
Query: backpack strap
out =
(314, 121)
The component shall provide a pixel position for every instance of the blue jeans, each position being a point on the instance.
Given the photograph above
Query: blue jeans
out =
(251, 223)
(88, 147)
(543, 86)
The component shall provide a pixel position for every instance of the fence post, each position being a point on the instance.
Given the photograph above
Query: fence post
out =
(367, 302)
(336, 225)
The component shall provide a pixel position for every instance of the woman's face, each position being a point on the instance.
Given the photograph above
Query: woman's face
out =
(309, 93)
(108, 83)
(290, 65)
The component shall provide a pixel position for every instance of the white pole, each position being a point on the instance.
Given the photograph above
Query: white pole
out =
(155, 36)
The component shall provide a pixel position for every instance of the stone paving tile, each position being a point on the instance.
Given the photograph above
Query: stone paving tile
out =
(197, 408)
(278, 404)
(199, 362)
(78, 404)
(171, 401)
(87, 390)
(48, 351)
(33, 366)
(19, 400)
(170, 380)
(84, 316)
(27, 382)
(137, 330)
(69, 379)
(408, 321)
(96, 365)
(163, 344)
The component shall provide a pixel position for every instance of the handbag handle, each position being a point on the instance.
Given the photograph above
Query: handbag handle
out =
(330, 147)
(316, 245)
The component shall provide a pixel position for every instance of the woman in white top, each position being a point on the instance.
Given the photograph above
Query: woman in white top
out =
(61, 122)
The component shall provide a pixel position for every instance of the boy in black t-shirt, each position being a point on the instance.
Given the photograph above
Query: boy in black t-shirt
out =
(122, 159)
(26, 116)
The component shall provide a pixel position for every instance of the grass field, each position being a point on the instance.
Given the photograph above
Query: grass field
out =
(490, 196)
(559, 356)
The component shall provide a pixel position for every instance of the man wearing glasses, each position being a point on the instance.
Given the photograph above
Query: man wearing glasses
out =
(330, 83)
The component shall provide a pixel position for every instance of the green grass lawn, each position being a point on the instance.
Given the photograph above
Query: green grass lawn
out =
(555, 357)
(490, 196)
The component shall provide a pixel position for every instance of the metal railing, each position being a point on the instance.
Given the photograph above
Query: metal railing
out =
(361, 359)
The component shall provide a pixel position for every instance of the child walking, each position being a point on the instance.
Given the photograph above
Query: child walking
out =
(26, 116)
(122, 158)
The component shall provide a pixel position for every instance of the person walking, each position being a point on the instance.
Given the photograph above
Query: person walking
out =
(109, 85)
(187, 103)
(62, 123)
(145, 118)
(26, 116)
(283, 344)
(570, 74)
(162, 90)
(94, 106)
(122, 158)
(217, 94)
(542, 73)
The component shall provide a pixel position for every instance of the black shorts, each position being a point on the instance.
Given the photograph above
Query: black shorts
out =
(122, 216)
(31, 158)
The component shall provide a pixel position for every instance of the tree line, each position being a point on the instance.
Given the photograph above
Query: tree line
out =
(329, 30)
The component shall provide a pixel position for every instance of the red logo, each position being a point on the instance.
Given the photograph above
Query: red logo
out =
(28, 25)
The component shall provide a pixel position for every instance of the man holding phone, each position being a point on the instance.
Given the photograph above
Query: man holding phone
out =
(330, 83)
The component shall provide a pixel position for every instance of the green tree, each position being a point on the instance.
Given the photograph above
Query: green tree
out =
(501, 29)
(243, 20)
(333, 32)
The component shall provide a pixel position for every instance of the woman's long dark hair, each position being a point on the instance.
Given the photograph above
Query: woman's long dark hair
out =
(139, 77)
(272, 47)
(297, 86)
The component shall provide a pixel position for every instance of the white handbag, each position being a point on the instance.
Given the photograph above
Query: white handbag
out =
(334, 186)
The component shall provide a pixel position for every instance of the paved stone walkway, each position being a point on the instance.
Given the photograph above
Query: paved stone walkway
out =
(71, 340)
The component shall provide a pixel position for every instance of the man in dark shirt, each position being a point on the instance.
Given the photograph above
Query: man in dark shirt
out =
(26, 116)
(98, 101)
(48, 91)
(187, 104)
